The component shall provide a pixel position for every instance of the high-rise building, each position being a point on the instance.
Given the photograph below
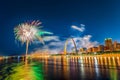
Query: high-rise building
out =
(116, 46)
(108, 44)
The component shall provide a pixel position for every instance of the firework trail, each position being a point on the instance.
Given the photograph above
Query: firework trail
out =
(28, 32)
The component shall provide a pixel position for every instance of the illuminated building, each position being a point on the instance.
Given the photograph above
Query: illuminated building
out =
(108, 44)
(108, 47)
(94, 49)
(101, 48)
(116, 46)
(83, 50)
(89, 50)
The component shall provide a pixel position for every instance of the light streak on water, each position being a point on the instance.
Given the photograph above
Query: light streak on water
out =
(96, 66)
(77, 68)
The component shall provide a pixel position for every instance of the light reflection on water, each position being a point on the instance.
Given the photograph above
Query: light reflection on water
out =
(62, 68)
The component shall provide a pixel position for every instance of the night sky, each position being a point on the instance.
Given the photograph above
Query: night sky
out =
(100, 17)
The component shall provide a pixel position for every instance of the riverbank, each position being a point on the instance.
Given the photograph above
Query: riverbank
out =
(107, 54)
(64, 56)
(87, 55)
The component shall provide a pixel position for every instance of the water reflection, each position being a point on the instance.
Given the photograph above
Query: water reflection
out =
(61, 68)
(19, 71)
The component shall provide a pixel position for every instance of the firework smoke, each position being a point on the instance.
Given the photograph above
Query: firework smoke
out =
(28, 32)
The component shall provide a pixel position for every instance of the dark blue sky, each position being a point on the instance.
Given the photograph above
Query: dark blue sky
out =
(101, 17)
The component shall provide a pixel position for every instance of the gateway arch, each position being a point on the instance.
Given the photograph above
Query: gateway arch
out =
(66, 43)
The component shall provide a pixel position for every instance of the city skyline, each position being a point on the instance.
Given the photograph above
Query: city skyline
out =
(88, 22)
(108, 46)
(59, 39)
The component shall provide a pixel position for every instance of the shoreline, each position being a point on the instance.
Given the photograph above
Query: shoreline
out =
(66, 56)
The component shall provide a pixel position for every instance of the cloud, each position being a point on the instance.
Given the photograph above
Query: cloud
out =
(47, 39)
(50, 38)
(81, 29)
(85, 41)
(56, 45)
(60, 43)
(52, 47)
(51, 51)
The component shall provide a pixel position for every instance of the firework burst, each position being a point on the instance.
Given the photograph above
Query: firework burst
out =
(28, 32)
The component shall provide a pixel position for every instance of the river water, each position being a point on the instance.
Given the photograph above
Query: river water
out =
(80, 68)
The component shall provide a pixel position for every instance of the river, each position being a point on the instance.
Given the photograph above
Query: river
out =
(82, 68)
